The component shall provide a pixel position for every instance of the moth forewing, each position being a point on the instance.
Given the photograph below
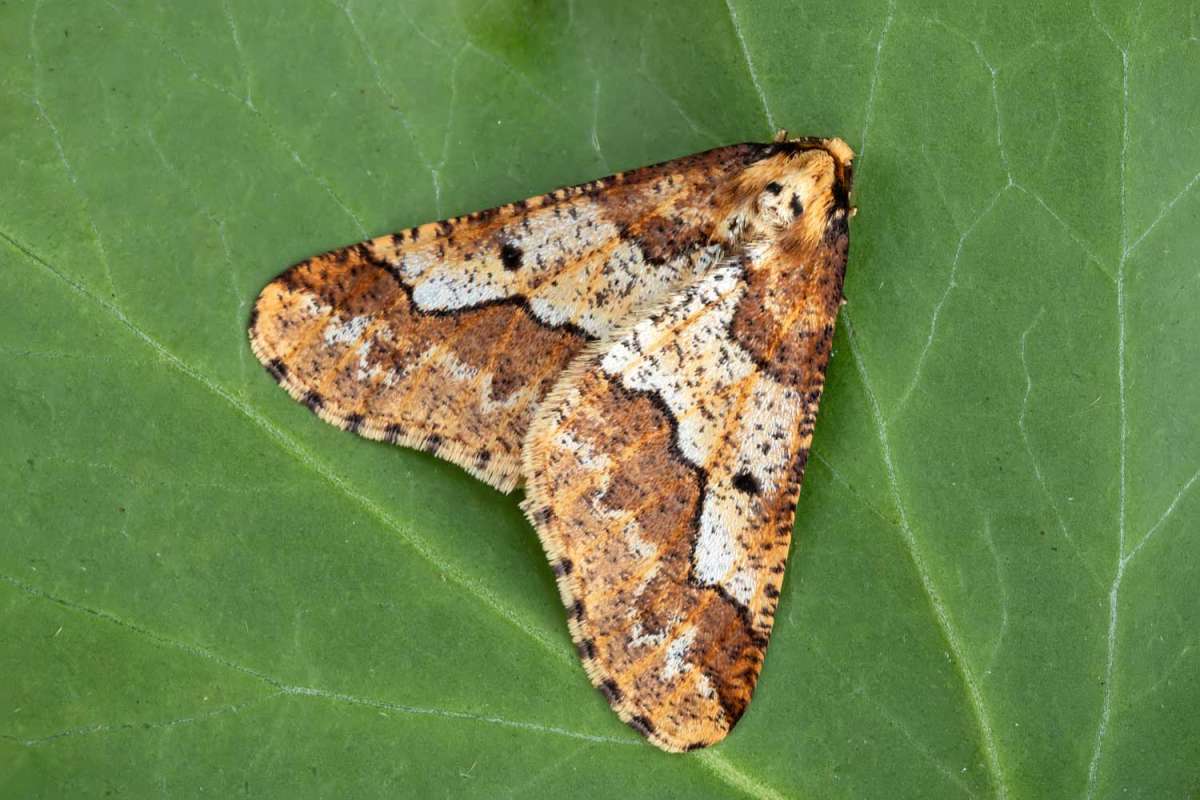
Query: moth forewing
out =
(445, 336)
(669, 328)
(664, 468)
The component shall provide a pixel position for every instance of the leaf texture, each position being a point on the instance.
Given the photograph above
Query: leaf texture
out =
(206, 591)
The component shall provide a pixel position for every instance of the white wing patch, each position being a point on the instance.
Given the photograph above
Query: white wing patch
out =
(447, 291)
(645, 361)
(769, 417)
(699, 382)
(716, 549)
(348, 332)
(676, 662)
(625, 279)
(622, 276)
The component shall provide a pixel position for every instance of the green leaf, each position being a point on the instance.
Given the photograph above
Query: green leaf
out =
(206, 590)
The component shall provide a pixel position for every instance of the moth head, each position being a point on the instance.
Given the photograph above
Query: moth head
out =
(784, 198)
(805, 184)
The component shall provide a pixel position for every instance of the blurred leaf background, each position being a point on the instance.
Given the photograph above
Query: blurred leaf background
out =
(206, 591)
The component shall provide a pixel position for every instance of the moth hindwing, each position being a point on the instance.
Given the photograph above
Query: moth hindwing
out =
(647, 352)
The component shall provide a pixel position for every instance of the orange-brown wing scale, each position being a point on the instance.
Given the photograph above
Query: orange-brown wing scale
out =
(445, 337)
(664, 467)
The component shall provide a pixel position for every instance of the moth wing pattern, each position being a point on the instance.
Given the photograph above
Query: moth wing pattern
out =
(445, 337)
(669, 327)
(664, 467)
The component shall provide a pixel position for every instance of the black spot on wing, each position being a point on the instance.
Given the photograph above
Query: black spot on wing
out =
(511, 256)
(745, 482)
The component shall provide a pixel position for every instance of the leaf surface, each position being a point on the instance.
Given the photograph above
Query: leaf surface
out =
(205, 590)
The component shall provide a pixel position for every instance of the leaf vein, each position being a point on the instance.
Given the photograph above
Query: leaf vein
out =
(940, 613)
(281, 687)
(762, 95)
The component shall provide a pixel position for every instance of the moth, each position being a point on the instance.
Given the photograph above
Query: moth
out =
(646, 354)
